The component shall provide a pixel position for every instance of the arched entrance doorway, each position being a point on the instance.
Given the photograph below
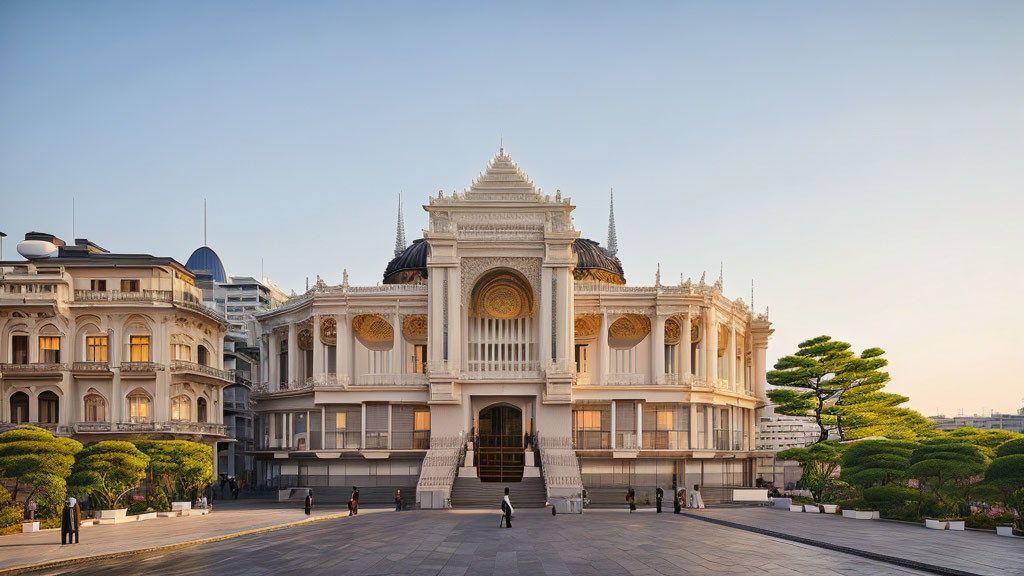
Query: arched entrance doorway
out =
(501, 444)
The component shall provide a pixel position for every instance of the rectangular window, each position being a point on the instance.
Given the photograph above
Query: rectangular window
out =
(19, 349)
(129, 285)
(332, 359)
(592, 428)
(139, 348)
(49, 349)
(182, 352)
(342, 427)
(581, 359)
(138, 409)
(98, 285)
(666, 427)
(418, 360)
(670, 358)
(315, 442)
(95, 348)
(377, 426)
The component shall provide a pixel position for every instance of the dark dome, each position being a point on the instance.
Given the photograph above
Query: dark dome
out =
(205, 262)
(409, 267)
(595, 263)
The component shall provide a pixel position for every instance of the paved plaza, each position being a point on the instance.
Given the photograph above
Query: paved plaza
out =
(456, 542)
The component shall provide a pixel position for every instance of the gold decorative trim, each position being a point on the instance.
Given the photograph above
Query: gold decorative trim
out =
(373, 331)
(723, 339)
(672, 330)
(587, 325)
(628, 331)
(503, 294)
(414, 328)
(305, 339)
(329, 330)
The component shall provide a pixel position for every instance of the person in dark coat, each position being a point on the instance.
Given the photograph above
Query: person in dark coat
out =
(309, 502)
(631, 499)
(507, 510)
(659, 495)
(70, 521)
(677, 502)
(398, 500)
(353, 502)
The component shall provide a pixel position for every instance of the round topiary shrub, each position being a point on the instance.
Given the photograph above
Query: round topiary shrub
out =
(1010, 448)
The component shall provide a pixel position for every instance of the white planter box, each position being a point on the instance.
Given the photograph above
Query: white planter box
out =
(30, 526)
(146, 516)
(934, 524)
(175, 506)
(860, 514)
(796, 508)
(113, 514)
(956, 525)
(830, 508)
(1004, 530)
(812, 508)
(173, 514)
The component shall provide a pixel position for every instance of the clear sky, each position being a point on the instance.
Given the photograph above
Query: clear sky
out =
(862, 161)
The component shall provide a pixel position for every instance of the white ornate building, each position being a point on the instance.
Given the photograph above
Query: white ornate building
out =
(102, 346)
(499, 333)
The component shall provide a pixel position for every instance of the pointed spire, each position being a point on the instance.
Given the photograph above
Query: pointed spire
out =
(657, 276)
(400, 231)
(613, 241)
(204, 222)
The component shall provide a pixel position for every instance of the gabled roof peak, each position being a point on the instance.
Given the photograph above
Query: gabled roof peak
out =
(503, 180)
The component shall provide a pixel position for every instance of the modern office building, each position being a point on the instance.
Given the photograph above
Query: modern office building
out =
(1011, 422)
(503, 347)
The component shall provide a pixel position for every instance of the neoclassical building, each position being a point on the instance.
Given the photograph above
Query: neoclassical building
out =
(502, 347)
(101, 346)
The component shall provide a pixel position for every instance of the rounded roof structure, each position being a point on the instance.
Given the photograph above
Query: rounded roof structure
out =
(595, 263)
(205, 262)
(409, 267)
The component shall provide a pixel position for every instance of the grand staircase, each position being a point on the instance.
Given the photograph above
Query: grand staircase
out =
(472, 493)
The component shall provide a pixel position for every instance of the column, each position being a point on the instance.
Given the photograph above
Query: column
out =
(389, 425)
(545, 317)
(397, 352)
(709, 426)
(658, 348)
(759, 369)
(711, 350)
(684, 346)
(639, 425)
(603, 350)
(319, 366)
(273, 347)
(455, 341)
(343, 364)
(693, 426)
(117, 399)
(613, 425)
(293, 353)
(730, 354)
(362, 427)
(564, 314)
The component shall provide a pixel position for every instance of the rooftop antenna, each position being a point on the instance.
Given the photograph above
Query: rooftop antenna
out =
(613, 241)
(204, 222)
(262, 277)
(400, 231)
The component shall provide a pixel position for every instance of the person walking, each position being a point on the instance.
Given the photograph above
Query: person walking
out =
(398, 500)
(507, 511)
(70, 521)
(631, 499)
(677, 501)
(353, 502)
(659, 495)
(309, 502)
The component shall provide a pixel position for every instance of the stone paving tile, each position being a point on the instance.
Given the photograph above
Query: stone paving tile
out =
(461, 543)
(969, 551)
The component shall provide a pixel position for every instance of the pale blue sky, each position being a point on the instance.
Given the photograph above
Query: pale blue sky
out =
(862, 161)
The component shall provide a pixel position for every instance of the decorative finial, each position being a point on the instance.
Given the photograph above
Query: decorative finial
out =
(307, 283)
(613, 241)
(751, 293)
(204, 222)
(501, 145)
(400, 231)
(703, 275)
(721, 272)
(657, 276)
(344, 278)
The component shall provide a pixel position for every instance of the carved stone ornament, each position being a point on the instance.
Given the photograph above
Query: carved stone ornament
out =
(414, 328)
(628, 331)
(373, 331)
(329, 330)
(305, 339)
(695, 330)
(587, 325)
(671, 331)
(723, 339)
(502, 294)
(472, 269)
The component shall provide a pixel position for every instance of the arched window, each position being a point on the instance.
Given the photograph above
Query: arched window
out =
(204, 355)
(181, 408)
(49, 408)
(201, 409)
(139, 407)
(19, 408)
(95, 408)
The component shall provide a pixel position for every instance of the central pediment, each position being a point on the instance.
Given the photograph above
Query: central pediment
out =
(502, 180)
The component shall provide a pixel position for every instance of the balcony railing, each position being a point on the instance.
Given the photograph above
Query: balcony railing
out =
(376, 440)
(391, 380)
(119, 296)
(100, 367)
(626, 379)
(139, 367)
(178, 366)
(484, 369)
(32, 368)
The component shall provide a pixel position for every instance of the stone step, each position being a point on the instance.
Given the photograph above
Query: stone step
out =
(472, 493)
